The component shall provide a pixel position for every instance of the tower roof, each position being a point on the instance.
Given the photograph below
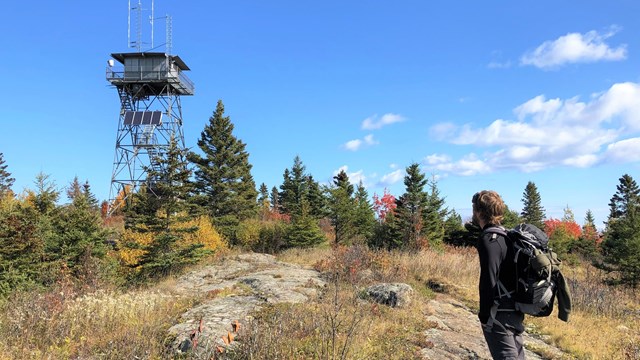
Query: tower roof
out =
(176, 59)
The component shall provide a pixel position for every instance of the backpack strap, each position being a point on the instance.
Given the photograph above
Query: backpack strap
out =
(496, 230)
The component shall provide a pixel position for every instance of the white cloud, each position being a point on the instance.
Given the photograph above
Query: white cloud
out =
(575, 48)
(392, 178)
(369, 140)
(435, 159)
(624, 151)
(373, 123)
(353, 145)
(467, 166)
(551, 132)
(357, 144)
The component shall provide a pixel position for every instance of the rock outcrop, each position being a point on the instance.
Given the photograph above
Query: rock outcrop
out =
(250, 281)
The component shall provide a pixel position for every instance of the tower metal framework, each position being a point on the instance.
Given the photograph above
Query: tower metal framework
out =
(150, 86)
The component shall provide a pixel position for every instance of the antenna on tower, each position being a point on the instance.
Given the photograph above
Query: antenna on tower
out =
(169, 35)
(138, 42)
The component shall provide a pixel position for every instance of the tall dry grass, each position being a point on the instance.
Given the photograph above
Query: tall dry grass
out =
(61, 324)
(604, 324)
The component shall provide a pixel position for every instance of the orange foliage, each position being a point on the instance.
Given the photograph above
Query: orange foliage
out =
(382, 206)
(571, 228)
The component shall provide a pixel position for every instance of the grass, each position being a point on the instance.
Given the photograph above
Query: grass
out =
(62, 324)
(70, 323)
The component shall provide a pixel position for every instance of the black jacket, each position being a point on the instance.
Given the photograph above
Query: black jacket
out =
(493, 251)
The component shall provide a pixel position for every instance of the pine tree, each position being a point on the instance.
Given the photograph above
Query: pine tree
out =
(224, 186)
(434, 216)
(621, 246)
(298, 186)
(6, 181)
(303, 230)
(167, 193)
(342, 208)
(364, 217)
(589, 220)
(275, 200)
(293, 188)
(22, 249)
(79, 236)
(532, 212)
(627, 195)
(412, 207)
(511, 218)
(264, 194)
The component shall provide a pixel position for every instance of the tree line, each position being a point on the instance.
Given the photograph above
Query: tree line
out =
(196, 203)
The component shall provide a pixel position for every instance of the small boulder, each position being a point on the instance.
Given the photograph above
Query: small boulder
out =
(393, 295)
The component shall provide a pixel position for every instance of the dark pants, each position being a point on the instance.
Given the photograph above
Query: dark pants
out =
(506, 343)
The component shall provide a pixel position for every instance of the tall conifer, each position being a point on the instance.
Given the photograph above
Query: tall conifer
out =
(532, 212)
(6, 181)
(622, 240)
(224, 186)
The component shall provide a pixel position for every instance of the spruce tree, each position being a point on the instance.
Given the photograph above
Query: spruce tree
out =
(532, 212)
(167, 193)
(412, 207)
(294, 188)
(621, 246)
(511, 218)
(79, 236)
(364, 217)
(224, 186)
(6, 181)
(434, 216)
(275, 200)
(342, 208)
(303, 230)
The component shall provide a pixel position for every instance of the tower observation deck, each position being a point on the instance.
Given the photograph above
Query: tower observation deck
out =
(150, 86)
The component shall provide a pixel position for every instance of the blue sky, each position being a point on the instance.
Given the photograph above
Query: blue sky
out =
(484, 95)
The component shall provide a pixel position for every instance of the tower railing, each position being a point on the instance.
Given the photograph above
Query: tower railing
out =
(118, 75)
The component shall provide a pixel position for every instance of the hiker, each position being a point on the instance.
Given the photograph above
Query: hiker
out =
(502, 329)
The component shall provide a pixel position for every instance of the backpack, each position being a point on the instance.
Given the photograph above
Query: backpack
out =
(537, 270)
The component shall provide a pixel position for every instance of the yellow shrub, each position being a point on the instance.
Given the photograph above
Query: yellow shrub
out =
(131, 256)
(205, 234)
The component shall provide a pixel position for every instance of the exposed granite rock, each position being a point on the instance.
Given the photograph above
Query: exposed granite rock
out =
(266, 280)
(393, 295)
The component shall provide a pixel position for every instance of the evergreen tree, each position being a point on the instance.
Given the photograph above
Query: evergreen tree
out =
(22, 250)
(263, 202)
(511, 218)
(79, 236)
(167, 192)
(298, 186)
(264, 194)
(627, 195)
(586, 245)
(434, 216)
(6, 181)
(304, 230)
(342, 208)
(224, 186)
(532, 212)
(364, 217)
(294, 188)
(454, 231)
(589, 220)
(412, 206)
(316, 198)
(622, 241)
(275, 200)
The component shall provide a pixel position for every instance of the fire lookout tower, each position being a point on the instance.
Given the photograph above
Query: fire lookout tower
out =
(150, 85)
